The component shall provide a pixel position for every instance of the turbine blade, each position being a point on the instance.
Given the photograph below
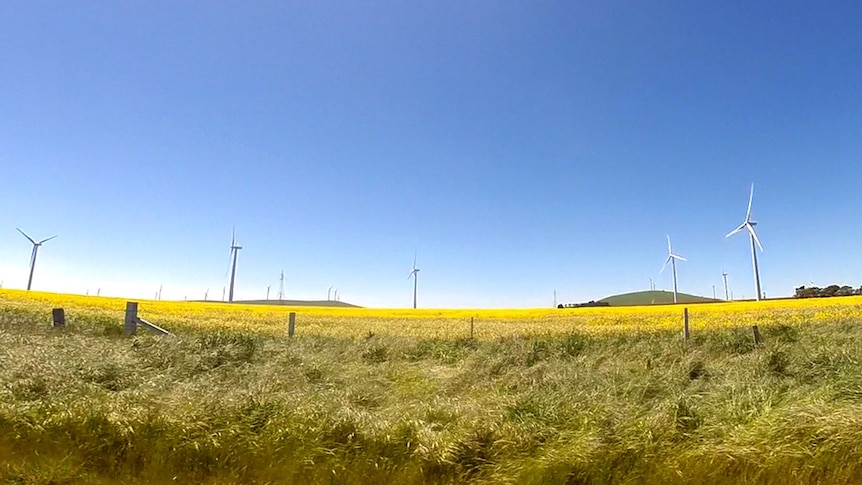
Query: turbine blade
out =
(754, 235)
(25, 235)
(750, 199)
(414, 261)
(46, 240)
(675, 256)
(741, 227)
(669, 250)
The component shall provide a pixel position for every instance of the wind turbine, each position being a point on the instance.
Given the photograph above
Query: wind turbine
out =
(748, 225)
(234, 252)
(281, 287)
(671, 258)
(726, 294)
(36, 245)
(415, 275)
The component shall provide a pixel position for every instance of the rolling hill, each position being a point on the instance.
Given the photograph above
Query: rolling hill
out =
(658, 297)
(324, 303)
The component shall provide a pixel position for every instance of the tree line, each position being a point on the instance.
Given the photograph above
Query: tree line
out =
(831, 290)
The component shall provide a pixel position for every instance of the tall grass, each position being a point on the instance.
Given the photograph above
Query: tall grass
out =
(86, 405)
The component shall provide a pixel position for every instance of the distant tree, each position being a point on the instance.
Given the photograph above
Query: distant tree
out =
(831, 290)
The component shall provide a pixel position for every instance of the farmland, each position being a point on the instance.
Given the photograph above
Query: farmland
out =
(590, 395)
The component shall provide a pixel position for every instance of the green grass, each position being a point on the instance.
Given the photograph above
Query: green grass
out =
(657, 297)
(82, 405)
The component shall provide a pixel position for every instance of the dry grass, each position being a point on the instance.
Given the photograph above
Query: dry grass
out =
(593, 397)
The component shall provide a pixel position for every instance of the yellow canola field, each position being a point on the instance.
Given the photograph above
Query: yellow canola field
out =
(212, 316)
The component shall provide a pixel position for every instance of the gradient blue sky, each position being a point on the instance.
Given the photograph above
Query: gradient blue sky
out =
(516, 147)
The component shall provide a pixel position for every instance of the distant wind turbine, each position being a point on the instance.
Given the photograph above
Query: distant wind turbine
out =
(748, 225)
(726, 294)
(671, 258)
(415, 275)
(234, 253)
(36, 245)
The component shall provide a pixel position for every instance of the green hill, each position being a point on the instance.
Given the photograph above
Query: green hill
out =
(658, 297)
(326, 303)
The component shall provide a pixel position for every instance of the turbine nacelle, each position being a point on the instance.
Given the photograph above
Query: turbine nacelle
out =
(35, 243)
(415, 270)
(670, 256)
(233, 244)
(748, 224)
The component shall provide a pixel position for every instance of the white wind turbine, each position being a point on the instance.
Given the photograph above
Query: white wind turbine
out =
(415, 275)
(671, 258)
(234, 252)
(36, 246)
(748, 225)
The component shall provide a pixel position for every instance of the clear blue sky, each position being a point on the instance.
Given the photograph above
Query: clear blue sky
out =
(515, 147)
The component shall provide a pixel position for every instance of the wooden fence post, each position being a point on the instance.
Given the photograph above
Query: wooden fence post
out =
(59, 317)
(291, 324)
(131, 317)
(685, 332)
(757, 339)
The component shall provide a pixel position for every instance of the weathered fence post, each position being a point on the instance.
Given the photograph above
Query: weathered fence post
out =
(757, 339)
(131, 317)
(59, 317)
(471, 327)
(291, 324)
(685, 332)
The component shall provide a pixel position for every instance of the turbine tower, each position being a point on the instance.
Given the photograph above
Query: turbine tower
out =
(36, 245)
(234, 252)
(671, 258)
(726, 294)
(748, 225)
(281, 286)
(415, 275)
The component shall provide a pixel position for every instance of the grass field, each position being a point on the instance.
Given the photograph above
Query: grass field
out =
(591, 395)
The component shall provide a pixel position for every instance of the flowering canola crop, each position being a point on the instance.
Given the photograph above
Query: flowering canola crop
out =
(432, 323)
